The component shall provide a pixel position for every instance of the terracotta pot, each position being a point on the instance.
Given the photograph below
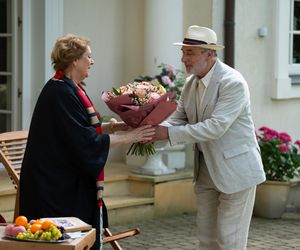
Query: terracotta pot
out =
(271, 199)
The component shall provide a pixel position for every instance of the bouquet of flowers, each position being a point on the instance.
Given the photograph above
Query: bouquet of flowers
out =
(141, 103)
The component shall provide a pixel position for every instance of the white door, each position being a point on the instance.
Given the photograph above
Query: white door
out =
(10, 59)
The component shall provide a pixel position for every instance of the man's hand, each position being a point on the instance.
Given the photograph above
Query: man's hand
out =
(161, 133)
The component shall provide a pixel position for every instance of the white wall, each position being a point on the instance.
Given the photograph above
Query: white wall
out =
(254, 57)
(102, 22)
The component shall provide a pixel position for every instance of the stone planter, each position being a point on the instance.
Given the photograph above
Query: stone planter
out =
(155, 164)
(271, 199)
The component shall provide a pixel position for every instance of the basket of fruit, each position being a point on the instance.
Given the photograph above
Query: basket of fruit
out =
(40, 230)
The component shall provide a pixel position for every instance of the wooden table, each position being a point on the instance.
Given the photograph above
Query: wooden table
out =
(83, 243)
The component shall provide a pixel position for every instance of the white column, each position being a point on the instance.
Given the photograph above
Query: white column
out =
(163, 26)
(53, 29)
(26, 62)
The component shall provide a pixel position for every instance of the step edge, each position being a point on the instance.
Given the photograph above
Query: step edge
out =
(132, 202)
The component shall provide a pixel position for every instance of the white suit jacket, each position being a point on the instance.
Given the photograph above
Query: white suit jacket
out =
(224, 130)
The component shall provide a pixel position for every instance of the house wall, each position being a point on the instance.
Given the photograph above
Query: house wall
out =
(254, 57)
(102, 22)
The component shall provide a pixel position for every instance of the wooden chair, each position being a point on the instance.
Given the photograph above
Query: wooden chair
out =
(2, 220)
(12, 149)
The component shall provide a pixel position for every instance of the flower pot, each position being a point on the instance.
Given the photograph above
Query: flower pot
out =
(154, 164)
(271, 199)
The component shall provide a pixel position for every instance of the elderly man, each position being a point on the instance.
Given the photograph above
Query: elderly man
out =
(214, 113)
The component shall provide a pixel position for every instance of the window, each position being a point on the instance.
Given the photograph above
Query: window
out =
(286, 50)
(10, 91)
(294, 42)
(295, 33)
(5, 66)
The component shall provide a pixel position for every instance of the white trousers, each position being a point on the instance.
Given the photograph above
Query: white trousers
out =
(223, 220)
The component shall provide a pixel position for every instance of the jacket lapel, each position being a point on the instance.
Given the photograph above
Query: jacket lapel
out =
(211, 89)
(190, 101)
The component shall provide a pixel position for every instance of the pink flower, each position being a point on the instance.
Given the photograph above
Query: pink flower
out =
(283, 148)
(106, 97)
(270, 134)
(154, 96)
(167, 81)
(297, 143)
(171, 69)
(264, 128)
(268, 137)
(140, 92)
(284, 137)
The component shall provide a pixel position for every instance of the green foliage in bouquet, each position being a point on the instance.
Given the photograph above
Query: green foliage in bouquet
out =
(140, 149)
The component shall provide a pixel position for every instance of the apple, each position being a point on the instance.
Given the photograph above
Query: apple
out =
(8, 229)
(17, 229)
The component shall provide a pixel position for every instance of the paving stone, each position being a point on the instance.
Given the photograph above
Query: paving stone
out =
(179, 232)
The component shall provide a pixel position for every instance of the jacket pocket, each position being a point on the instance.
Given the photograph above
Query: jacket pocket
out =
(236, 151)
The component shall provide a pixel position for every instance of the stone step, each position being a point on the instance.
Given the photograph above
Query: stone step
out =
(129, 209)
(118, 182)
(113, 202)
(7, 196)
(7, 201)
(8, 216)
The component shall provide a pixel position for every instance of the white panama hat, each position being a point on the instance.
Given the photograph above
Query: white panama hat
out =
(202, 37)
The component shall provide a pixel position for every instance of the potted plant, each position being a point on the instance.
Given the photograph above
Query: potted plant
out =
(281, 160)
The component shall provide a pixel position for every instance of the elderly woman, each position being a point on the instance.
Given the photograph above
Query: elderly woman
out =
(66, 150)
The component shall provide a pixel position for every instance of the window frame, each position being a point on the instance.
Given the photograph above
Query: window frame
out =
(294, 68)
(283, 71)
(12, 111)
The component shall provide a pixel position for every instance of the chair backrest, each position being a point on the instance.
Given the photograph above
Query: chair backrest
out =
(12, 149)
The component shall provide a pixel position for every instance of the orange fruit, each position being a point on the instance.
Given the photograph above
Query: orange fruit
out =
(38, 221)
(35, 227)
(46, 224)
(21, 221)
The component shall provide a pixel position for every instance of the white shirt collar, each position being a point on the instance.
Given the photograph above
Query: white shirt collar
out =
(207, 77)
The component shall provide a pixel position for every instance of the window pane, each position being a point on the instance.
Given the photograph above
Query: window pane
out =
(296, 49)
(5, 93)
(3, 17)
(5, 122)
(5, 54)
(296, 15)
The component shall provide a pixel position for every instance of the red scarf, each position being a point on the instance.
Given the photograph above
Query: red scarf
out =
(94, 121)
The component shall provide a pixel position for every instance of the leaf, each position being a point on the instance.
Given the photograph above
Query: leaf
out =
(116, 92)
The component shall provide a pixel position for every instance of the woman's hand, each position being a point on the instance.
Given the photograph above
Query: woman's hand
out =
(140, 134)
(143, 133)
